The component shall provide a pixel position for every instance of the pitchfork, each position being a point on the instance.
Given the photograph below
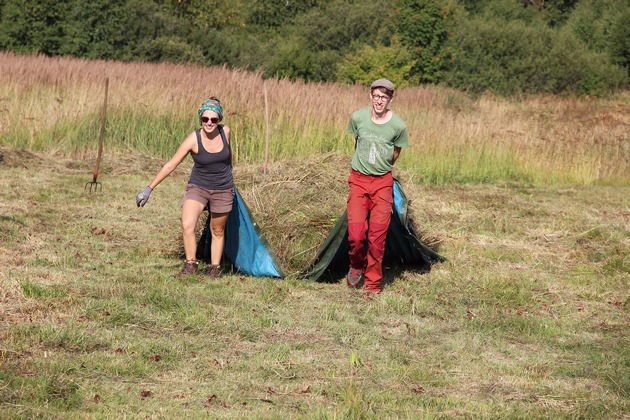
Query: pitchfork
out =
(94, 182)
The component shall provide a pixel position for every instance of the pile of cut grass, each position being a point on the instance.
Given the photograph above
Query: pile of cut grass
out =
(297, 203)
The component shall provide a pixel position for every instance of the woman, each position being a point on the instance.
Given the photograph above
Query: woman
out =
(210, 185)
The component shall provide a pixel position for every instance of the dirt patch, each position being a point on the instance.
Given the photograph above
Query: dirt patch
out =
(11, 157)
(116, 165)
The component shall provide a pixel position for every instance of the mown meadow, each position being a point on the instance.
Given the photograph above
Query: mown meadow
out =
(526, 197)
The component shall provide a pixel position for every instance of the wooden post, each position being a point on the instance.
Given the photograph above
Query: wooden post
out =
(266, 131)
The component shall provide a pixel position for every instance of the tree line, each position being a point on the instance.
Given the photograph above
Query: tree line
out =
(505, 46)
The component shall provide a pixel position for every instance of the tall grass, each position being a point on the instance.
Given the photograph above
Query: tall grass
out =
(54, 105)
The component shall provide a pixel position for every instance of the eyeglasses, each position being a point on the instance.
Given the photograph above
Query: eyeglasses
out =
(213, 120)
(380, 98)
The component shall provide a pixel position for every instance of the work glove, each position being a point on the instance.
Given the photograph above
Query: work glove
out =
(143, 197)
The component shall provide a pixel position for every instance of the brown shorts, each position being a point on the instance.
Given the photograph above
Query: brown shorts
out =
(218, 201)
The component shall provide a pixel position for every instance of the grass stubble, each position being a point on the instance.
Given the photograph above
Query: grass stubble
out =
(527, 319)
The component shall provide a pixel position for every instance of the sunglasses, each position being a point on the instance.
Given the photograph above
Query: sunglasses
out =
(213, 120)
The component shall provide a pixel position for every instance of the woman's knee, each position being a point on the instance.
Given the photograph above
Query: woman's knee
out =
(217, 231)
(217, 224)
(188, 225)
(217, 227)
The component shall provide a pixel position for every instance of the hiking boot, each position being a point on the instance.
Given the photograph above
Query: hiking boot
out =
(190, 268)
(355, 275)
(213, 271)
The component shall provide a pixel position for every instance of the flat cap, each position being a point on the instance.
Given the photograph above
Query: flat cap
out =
(384, 83)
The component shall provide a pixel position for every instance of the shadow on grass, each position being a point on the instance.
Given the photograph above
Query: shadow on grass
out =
(391, 272)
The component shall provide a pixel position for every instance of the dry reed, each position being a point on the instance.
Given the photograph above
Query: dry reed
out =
(52, 104)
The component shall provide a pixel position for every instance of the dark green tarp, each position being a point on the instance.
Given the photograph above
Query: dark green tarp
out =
(403, 247)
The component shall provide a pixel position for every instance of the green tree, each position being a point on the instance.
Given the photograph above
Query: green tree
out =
(519, 58)
(554, 12)
(424, 27)
(604, 27)
(576, 69)
(215, 47)
(316, 40)
(129, 30)
(277, 13)
(291, 60)
(210, 14)
(340, 25)
(171, 49)
(394, 62)
(508, 11)
(592, 20)
(112, 29)
(620, 41)
(33, 26)
(492, 56)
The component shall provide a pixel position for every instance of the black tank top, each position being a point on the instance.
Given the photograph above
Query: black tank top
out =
(212, 171)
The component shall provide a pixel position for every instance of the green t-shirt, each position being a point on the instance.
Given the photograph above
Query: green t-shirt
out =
(375, 142)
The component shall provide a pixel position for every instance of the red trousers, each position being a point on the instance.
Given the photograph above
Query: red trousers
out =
(369, 213)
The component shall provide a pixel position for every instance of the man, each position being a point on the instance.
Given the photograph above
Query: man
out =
(379, 136)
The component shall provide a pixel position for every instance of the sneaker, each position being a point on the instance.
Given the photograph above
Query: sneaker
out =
(190, 268)
(355, 275)
(213, 271)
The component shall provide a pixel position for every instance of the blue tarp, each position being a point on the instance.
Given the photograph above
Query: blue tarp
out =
(245, 246)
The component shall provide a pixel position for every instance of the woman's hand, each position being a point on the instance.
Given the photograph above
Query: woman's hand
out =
(143, 197)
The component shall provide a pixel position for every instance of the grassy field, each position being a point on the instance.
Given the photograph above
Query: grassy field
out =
(527, 319)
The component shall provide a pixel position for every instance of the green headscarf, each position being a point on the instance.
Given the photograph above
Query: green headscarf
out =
(211, 105)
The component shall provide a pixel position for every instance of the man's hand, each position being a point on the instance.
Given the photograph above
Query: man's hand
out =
(396, 154)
